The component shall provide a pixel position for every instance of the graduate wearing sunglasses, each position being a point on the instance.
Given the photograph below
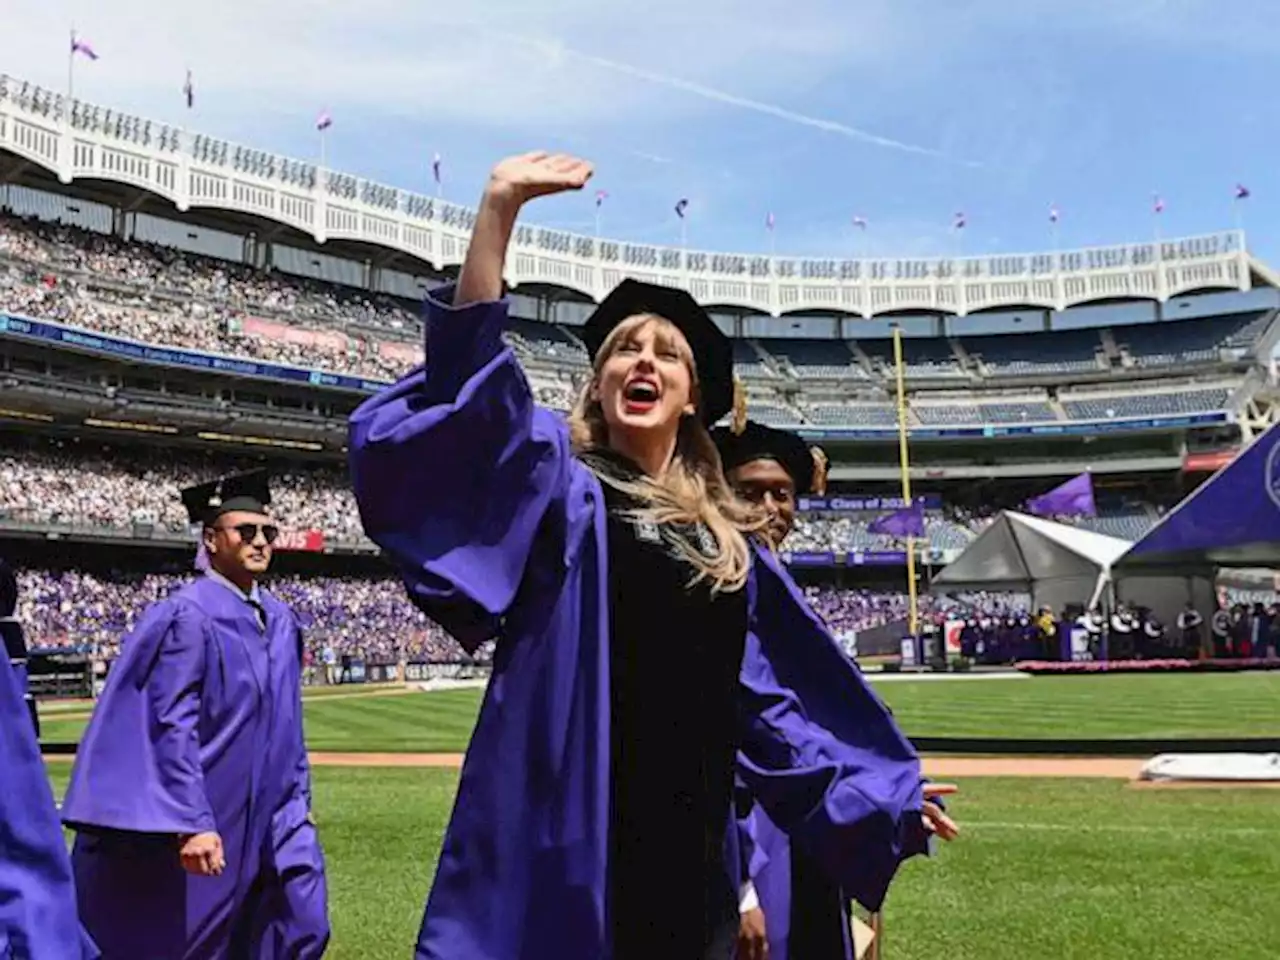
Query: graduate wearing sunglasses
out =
(191, 790)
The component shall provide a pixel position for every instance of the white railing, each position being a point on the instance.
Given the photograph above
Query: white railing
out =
(81, 140)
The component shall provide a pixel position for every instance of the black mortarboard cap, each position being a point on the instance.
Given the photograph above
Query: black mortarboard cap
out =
(205, 502)
(712, 351)
(758, 442)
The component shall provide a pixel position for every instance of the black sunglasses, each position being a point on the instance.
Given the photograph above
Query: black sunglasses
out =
(248, 532)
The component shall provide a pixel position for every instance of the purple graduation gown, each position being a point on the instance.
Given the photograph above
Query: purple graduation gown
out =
(498, 530)
(766, 861)
(200, 729)
(38, 918)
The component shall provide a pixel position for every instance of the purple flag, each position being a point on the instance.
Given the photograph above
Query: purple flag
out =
(1241, 191)
(860, 222)
(1073, 499)
(435, 167)
(82, 47)
(768, 221)
(908, 522)
(1157, 203)
(960, 221)
(681, 206)
(1054, 214)
(601, 197)
(189, 90)
(324, 121)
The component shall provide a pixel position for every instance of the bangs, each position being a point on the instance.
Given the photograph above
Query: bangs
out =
(666, 335)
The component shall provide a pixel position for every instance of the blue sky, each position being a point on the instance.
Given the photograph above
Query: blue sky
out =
(901, 111)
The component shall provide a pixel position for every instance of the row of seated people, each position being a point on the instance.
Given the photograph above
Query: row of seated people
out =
(215, 328)
(92, 613)
(163, 295)
(923, 412)
(93, 486)
(211, 329)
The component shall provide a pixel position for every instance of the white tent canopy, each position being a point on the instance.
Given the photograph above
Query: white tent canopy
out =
(1056, 564)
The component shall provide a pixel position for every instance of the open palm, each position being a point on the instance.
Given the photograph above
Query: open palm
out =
(541, 174)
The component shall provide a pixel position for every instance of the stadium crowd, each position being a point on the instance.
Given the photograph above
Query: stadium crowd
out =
(93, 485)
(370, 618)
(163, 296)
(84, 485)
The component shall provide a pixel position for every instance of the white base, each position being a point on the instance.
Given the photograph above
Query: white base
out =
(445, 683)
(1213, 766)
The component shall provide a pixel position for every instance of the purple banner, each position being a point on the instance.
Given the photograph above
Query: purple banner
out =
(855, 504)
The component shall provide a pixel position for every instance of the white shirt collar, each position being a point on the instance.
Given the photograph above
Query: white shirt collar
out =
(253, 596)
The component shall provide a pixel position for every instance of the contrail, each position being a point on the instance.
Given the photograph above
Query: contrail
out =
(744, 103)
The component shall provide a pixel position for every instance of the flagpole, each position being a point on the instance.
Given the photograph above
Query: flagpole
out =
(71, 71)
(904, 461)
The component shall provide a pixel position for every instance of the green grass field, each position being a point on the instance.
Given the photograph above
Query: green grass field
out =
(1046, 868)
(1124, 706)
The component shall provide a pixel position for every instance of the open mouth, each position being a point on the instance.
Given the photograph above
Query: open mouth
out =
(640, 395)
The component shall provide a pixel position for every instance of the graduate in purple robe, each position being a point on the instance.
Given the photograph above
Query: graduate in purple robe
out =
(642, 639)
(191, 792)
(38, 919)
(790, 907)
(14, 640)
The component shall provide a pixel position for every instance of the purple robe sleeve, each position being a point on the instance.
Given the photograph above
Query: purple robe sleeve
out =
(821, 753)
(138, 766)
(38, 916)
(456, 471)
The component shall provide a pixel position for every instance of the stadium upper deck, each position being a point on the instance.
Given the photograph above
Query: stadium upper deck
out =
(818, 368)
(130, 156)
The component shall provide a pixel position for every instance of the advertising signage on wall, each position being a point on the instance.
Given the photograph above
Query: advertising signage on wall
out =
(87, 340)
(931, 501)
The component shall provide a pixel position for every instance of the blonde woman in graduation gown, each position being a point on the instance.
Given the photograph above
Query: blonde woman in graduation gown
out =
(642, 639)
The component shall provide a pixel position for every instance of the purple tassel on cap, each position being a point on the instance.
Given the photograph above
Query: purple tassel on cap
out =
(202, 558)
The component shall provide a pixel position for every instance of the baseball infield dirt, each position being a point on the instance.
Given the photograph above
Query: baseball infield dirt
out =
(933, 766)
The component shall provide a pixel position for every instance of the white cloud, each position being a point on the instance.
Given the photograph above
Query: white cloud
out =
(559, 53)
(810, 107)
(400, 57)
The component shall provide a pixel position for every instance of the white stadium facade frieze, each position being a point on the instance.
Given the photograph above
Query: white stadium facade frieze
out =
(82, 141)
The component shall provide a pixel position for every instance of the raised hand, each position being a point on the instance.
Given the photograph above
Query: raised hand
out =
(538, 174)
(513, 183)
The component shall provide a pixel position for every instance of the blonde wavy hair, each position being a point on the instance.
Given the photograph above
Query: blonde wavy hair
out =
(693, 490)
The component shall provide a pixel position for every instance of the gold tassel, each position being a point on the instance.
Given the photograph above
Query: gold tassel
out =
(739, 422)
(820, 464)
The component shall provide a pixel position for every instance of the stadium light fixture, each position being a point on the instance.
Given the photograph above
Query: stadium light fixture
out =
(129, 425)
(24, 415)
(260, 441)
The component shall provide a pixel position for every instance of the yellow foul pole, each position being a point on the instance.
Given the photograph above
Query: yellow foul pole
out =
(904, 461)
